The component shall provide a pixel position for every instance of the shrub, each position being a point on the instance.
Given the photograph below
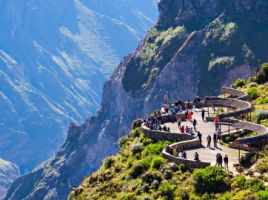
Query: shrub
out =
(262, 195)
(138, 168)
(253, 92)
(157, 162)
(155, 148)
(239, 83)
(262, 76)
(244, 195)
(128, 196)
(183, 167)
(262, 165)
(210, 179)
(239, 182)
(262, 100)
(109, 162)
(167, 190)
(252, 79)
(254, 184)
(226, 196)
(123, 141)
(262, 116)
(136, 132)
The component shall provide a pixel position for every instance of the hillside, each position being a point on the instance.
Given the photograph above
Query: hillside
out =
(139, 171)
(54, 59)
(181, 57)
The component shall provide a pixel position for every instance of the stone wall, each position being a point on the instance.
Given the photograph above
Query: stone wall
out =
(156, 135)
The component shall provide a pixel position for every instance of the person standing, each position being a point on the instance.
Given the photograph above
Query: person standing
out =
(219, 160)
(215, 139)
(194, 124)
(226, 160)
(217, 123)
(208, 141)
(203, 114)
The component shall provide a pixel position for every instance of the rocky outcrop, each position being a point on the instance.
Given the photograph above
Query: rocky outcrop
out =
(8, 173)
(198, 63)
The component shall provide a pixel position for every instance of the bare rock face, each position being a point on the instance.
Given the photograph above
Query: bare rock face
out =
(198, 47)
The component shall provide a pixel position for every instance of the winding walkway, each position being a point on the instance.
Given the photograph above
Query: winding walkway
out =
(232, 107)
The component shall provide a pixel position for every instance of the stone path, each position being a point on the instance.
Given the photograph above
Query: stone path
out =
(208, 154)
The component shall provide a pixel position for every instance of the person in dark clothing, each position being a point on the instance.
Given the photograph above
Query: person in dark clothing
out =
(215, 139)
(194, 124)
(219, 160)
(184, 155)
(203, 114)
(225, 160)
(199, 135)
(208, 141)
(196, 157)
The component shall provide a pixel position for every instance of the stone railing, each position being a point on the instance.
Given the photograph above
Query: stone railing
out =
(235, 93)
(157, 135)
(186, 145)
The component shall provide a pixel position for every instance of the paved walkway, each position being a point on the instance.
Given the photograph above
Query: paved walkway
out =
(208, 154)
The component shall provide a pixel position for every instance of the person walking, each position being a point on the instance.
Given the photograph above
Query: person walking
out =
(203, 115)
(215, 139)
(194, 124)
(225, 160)
(208, 141)
(199, 135)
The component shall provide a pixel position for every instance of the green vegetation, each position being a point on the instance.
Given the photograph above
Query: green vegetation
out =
(253, 92)
(239, 83)
(146, 175)
(210, 179)
(160, 47)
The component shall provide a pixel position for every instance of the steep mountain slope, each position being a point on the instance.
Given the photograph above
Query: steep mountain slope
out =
(195, 48)
(54, 59)
(8, 173)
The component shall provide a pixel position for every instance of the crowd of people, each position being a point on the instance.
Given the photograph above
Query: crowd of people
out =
(154, 122)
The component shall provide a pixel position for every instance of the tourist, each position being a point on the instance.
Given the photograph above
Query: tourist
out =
(194, 124)
(219, 136)
(215, 139)
(179, 122)
(217, 123)
(199, 135)
(182, 129)
(208, 141)
(219, 160)
(184, 155)
(225, 160)
(196, 157)
(169, 149)
(203, 114)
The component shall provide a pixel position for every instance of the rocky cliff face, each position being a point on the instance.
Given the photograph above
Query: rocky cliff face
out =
(55, 57)
(195, 48)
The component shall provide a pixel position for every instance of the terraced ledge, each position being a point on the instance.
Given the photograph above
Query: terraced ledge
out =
(187, 142)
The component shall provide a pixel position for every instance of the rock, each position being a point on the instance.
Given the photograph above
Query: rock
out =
(168, 174)
(145, 187)
(155, 184)
(136, 147)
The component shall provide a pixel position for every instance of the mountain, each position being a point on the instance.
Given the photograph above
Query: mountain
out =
(8, 173)
(195, 48)
(54, 59)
